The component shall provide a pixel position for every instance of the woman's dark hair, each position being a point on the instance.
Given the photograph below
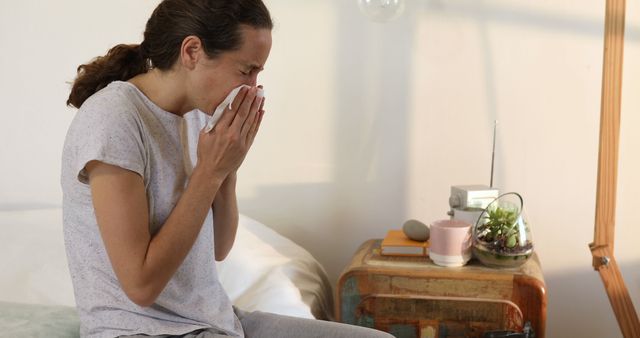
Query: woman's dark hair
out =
(215, 22)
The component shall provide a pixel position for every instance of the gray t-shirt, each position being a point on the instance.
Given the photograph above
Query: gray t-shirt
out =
(120, 126)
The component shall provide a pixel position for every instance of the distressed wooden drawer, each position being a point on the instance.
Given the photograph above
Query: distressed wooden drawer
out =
(412, 297)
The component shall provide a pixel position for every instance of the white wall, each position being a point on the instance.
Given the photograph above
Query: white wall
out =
(369, 124)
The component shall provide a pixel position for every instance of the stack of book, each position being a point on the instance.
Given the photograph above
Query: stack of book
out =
(396, 243)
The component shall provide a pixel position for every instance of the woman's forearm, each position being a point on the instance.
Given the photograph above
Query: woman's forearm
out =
(225, 217)
(169, 247)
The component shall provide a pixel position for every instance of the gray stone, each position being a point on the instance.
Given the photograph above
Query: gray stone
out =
(416, 230)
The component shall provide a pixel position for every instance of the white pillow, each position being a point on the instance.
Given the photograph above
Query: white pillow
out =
(33, 262)
(264, 271)
(268, 272)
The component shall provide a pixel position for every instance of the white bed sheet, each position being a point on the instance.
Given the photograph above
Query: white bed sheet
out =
(264, 271)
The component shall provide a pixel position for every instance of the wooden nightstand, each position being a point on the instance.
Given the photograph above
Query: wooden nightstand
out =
(412, 297)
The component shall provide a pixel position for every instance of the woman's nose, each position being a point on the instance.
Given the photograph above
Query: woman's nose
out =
(253, 81)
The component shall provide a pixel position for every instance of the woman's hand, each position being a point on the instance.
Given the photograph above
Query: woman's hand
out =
(223, 150)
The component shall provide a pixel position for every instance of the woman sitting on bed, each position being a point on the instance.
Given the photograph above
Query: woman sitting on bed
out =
(142, 226)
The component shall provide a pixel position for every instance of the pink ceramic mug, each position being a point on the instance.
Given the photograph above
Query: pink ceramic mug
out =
(450, 242)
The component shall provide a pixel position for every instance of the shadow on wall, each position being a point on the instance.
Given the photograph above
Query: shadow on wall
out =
(367, 190)
(324, 218)
(590, 309)
(315, 216)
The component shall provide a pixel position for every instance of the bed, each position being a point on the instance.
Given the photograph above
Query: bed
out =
(264, 271)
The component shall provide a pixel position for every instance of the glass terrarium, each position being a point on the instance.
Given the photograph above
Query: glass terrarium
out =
(502, 235)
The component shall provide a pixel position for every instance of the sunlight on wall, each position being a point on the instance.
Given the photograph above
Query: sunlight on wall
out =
(451, 119)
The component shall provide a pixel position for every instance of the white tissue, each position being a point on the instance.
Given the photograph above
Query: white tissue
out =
(227, 102)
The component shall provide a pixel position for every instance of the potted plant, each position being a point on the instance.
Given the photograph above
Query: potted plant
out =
(502, 236)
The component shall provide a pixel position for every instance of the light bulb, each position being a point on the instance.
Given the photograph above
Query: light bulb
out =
(381, 10)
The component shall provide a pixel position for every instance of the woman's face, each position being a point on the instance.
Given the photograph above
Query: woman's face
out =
(213, 79)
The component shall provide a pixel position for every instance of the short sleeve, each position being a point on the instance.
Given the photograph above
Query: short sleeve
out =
(109, 131)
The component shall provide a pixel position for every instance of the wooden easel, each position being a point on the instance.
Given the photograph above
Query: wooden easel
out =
(602, 247)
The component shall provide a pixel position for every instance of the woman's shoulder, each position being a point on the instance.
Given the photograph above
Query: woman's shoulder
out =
(112, 105)
(114, 99)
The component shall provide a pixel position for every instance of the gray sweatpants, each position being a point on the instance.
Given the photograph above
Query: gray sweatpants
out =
(268, 325)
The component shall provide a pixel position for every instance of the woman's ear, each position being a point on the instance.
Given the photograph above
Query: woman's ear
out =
(191, 51)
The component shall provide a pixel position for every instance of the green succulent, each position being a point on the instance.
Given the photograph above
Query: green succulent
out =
(500, 226)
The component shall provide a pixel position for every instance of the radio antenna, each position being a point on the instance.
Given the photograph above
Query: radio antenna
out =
(493, 151)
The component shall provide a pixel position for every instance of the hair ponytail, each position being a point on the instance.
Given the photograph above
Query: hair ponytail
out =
(122, 62)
